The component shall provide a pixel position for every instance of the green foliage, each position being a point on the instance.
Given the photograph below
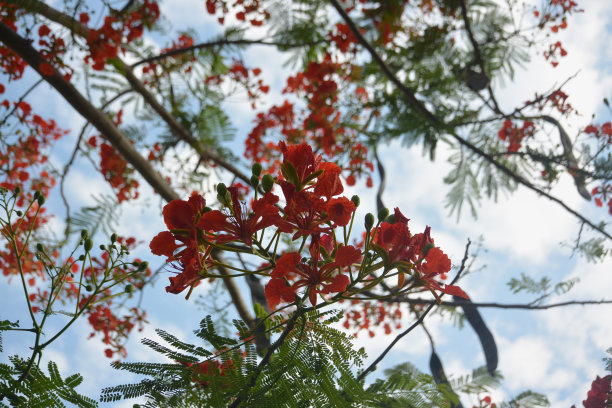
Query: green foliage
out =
(103, 216)
(314, 366)
(40, 390)
(405, 386)
(478, 381)
(527, 399)
(6, 325)
(608, 361)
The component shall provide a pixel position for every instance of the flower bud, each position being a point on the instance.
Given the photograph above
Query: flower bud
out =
(40, 247)
(391, 219)
(36, 194)
(84, 234)
(88, 288)
(256, 169)
(113, 238)
(88, 244)
(102, 247)
(221, 189)
(369, 221)
(40, 200)
(383, 213)
(143, 265)
(19, 213)
(17, 190)
(81, 257)
(254, 181)
(355, 199)
(267, 182)
(129, 288)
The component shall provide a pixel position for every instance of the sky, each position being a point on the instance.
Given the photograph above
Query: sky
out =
(556, 352)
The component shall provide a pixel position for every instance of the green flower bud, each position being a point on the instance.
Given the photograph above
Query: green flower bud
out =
(88, 288)
(84, 234)
(206, 209)
(144, 265)
(41, 200)
(391, 219)
(88, 244)
(19, 213)
(102, 247)
(81, 257)
(129, 288)
(36, 194)
(17, 190)
(355, 199)
(113, 238)
(267, 182)
(369, 221)
(221, 189)
(40, 247)
(256, 169)
(254, 181)
(383, 213)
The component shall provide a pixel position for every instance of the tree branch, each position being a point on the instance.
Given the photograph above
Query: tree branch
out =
(211, 44)
(106, 127)
(77, 28)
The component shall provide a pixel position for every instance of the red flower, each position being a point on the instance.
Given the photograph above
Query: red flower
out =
(241, 224)
(181, 218)
(340, 210)
(311, 274)
(328, 183)
(394, 238)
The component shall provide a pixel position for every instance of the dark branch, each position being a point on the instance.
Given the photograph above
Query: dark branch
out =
(212, 44)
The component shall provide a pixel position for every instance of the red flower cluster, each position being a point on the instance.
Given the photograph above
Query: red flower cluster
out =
(105, 42)
(244, 10)
(514, 135)
(603, 132)
(414, 254)
(605, 193)
(555, 51)
(116, 171)
(600, 394)
(320, 123)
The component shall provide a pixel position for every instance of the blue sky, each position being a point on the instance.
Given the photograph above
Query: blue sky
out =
(557, 352)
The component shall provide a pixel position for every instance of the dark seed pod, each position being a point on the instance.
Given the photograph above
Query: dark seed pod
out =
(369, 221)
(267, 182)
(257, 169)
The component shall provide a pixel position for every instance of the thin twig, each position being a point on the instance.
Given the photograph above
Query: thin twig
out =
(211, 44)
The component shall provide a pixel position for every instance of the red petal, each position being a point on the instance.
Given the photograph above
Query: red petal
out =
(213, 220)
(339, 284)
(455, 291)
(163, 244)
(179, 214)
(285, 264)
(277, 289)
(347, 255)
